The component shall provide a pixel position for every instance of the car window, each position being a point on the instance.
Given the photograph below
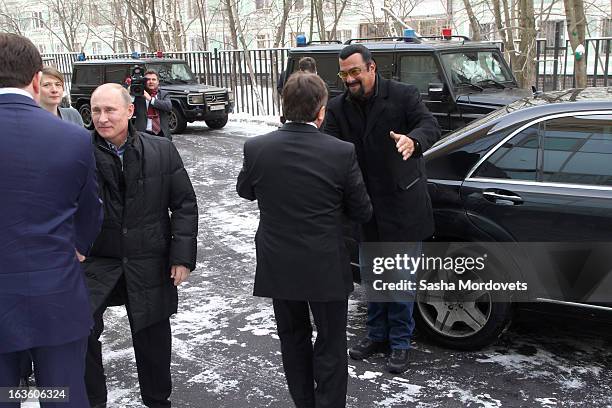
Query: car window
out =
(173, 73)
(481, 68)
(327, 69)
(89, 75)
(578, 150)
(515, 159)
(116, 73)
(420, 71)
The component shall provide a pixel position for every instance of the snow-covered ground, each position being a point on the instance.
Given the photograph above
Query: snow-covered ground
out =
(226, 352)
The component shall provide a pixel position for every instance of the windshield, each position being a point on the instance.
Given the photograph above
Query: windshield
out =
(173, 73)
(477, 69)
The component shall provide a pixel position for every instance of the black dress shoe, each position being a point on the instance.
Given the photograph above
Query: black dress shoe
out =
(366, 348)
(398, 361)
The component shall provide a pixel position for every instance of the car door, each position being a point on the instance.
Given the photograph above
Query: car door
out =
(550, 182)
(421, 70)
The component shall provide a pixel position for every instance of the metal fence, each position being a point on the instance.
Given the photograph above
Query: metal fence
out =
(229, 69)
(223, 68)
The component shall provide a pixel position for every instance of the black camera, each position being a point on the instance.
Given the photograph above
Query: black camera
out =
(137, 84)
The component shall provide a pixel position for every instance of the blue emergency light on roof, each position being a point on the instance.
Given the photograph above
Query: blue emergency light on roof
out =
(300, 40)
(409, 34)
(135, 54)
(81, 57)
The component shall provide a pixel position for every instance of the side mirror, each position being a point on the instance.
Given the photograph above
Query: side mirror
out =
(436, 91)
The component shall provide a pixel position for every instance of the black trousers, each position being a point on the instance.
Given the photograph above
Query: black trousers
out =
(61, 365)
(317, 376)
(152, 348)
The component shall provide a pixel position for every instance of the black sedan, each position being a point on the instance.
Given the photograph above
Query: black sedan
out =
(538, 170)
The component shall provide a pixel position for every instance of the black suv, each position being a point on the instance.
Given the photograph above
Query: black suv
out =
(191, 101)
(460, 80)
(538, 171)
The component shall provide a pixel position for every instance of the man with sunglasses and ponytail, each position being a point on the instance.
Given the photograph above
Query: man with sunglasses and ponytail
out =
(391, 128)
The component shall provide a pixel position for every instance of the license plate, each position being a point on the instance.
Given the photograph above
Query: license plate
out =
(217, 107)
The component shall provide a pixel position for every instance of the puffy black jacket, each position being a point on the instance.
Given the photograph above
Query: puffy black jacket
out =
(139, 237)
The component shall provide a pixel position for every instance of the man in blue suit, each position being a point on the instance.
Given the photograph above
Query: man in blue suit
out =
(49, 210)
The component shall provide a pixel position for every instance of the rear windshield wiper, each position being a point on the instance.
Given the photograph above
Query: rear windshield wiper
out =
(471, 85)
(493, 82)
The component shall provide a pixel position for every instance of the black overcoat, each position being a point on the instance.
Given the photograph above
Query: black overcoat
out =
(304, 182)
(139, 237)
(398, 188)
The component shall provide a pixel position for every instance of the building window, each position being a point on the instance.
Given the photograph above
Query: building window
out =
(371, 30)
(488, 32)
(606, 31)
(197, 43)
(37, 19)
(96, 47)
(298, 5)
(119, 47)
(428, 27)
(547, 31)
(263, 41)
(606, 27)
(41, 48)
(262, 4)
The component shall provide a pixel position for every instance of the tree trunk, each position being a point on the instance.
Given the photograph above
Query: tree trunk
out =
(576, 28)
(232, 18)
(525, 68)
(320, 18)
(245, 47)
(280, 32)
(473, 20)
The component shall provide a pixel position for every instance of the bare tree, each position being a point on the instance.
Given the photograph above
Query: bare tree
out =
(145, 14)
(403, 9)
(339, 8)
(67, 21)
(9, 23)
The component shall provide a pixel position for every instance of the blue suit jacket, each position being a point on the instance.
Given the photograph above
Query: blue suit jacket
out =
(49, 206)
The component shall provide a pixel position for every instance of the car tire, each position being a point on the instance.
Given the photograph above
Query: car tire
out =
(475, 322)
(176, 121)
(85, 112)
(217, 123)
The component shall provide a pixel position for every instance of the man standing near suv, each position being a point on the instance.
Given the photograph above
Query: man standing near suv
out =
(390, 127)
(142, 253)
(152, 109)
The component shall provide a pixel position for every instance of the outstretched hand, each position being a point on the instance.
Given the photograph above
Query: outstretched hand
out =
(404, 144)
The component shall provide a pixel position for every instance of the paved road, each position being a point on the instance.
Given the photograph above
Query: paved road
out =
(226, 352)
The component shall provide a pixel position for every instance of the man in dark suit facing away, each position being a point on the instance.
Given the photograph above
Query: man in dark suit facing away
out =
(305, 182)
(49, 210)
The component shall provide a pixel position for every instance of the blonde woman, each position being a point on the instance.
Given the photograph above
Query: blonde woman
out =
(51, 93)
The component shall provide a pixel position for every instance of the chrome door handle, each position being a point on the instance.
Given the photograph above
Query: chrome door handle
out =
(496, 196)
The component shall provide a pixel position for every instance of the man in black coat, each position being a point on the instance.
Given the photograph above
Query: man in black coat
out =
(152, 109)
(305, 182)
(142, 254)
(390, 127)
